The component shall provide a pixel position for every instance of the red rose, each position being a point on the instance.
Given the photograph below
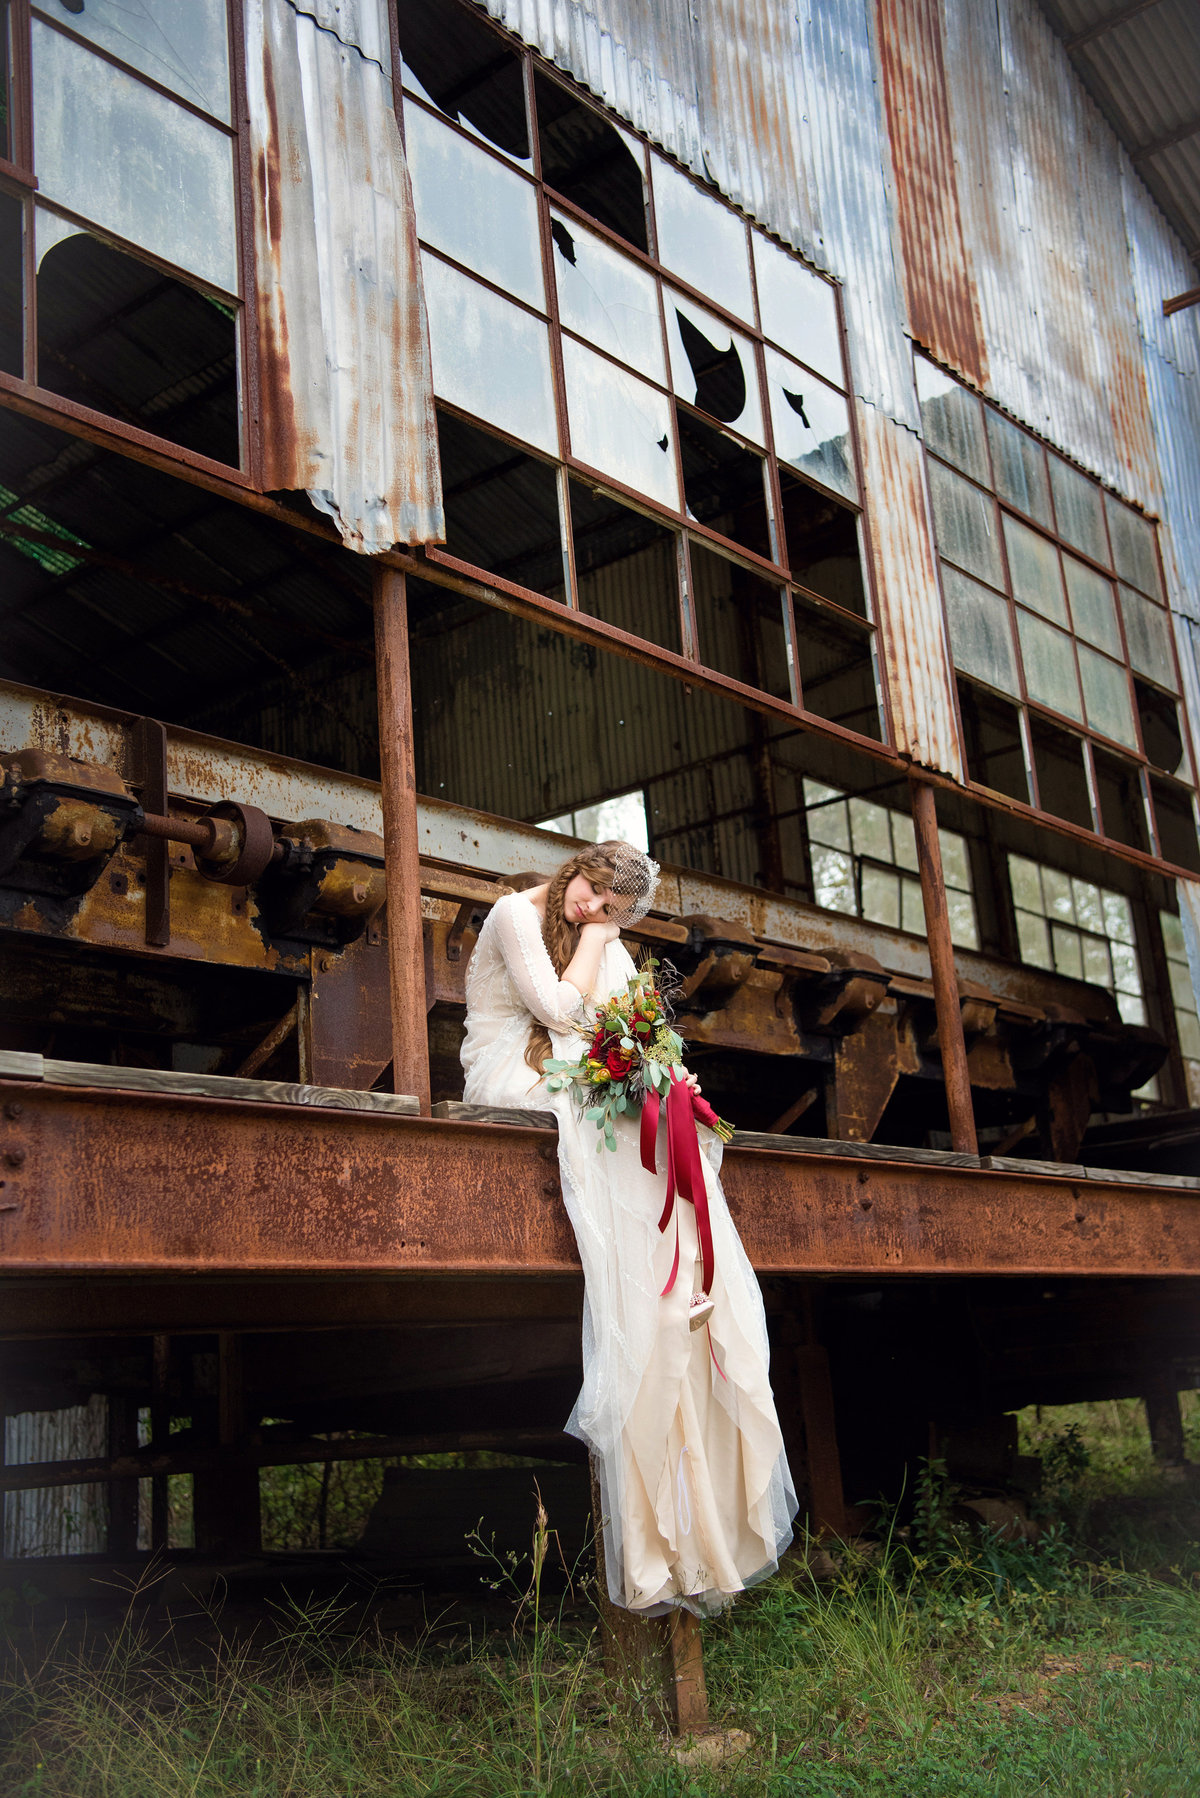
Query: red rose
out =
(618, 1063)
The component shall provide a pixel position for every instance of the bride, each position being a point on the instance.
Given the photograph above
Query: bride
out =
(695, 1488)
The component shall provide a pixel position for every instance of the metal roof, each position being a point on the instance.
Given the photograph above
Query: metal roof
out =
(1141, 64)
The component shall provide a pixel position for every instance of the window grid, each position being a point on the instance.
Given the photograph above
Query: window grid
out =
(1097, 653)
(622, 817)
(1075, 928)
(1183, 999)
(864, 862)
(768, 560)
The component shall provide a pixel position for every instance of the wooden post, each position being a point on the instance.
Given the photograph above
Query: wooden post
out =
(941, 960)
(397, 768)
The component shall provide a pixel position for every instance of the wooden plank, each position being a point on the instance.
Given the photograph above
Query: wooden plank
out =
(449, 883)
(494, 1114)
(224, 1086)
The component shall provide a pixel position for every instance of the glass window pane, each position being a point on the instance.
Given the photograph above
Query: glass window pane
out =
(955, 866)
(1133, 546)
(1079, 508)
(904, 840)
(1048, 658)
(701, 240)
(965, 523)
(952, 420)
(607, 298)
(1093, 606)
(1088, 909)
(1118, 919)
(181, 44)
(1180, 981)
(980, 631)
(1131, 1008)
(1024, 877)
(963, 928)
(620, 425)
(1033, 564)
(474, 207)
(173, 197)
(712, 367)
(1106, 696)
(489, 358)
(590, 160)
(1020, 468)
(11, 282)
(881, 897)
(1172, 931)
(833, 880)
(1097, 968)
(1033, 939)
(798, 310)
(811, 425)
(455, 62)
(1126, 972)
(1189, 1040)
(1060, 900)
(828, 819)
(869, 830)
(1148, 634)
(1068, 952)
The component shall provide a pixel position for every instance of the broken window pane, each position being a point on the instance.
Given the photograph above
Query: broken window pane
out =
(1175, 815)
(712, 367)
(501, 508)
(739, 622)
(626, 566)
(723, 483)
(992, 738)
(1134, 553)
(821, 544)
(980, 631)
(1106, 696)
(590, 161)
(1079, 508)
(1093, 606)
(452, 59)
(952, 420)
(1019, 464)
(1162, 738)
(1048, 658)
(1122, 808)
(1148, 634)
(489, 357)
(174, 197)
(12, 237)
(116, 334)
(474, 207)
(797, 309)
(811, 425)
(965, 524)
(1033, 565)
(607, 298)
(181, 44)
(835, 669)
(701, 240)
(1061, 776)
(619, 424)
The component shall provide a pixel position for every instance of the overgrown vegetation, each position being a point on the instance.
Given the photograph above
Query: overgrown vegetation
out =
(935, 1663)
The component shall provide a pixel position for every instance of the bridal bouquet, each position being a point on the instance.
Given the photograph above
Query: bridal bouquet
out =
(628, 1061)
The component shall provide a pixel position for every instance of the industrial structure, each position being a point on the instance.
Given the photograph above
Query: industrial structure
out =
(432, 431)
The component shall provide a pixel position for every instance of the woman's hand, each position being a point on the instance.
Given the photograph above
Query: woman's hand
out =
(607, 931)
(691, 1080)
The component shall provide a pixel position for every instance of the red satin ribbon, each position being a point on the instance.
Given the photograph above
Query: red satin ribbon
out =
(684, 1170)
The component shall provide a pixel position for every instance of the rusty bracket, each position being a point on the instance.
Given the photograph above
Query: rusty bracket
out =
(470, 916)
(150, 756)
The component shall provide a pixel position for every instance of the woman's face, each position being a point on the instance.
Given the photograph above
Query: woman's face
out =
(586, 901)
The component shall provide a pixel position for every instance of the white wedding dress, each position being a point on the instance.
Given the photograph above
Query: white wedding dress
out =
(695, 1487)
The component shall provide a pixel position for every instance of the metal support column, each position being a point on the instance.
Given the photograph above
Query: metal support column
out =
(941, 960)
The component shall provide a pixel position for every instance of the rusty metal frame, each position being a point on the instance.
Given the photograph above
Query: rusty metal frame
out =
(312, 1191)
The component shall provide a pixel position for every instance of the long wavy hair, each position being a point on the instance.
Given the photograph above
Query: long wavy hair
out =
(598, 862)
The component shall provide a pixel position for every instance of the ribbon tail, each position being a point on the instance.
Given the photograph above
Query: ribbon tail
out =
(712, 1351)
(651, 1106)
(681, 1134)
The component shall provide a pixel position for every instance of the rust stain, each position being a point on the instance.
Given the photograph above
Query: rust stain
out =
(942, 304)
(283, 460)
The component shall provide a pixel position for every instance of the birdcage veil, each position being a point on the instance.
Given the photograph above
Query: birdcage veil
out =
(635, 877)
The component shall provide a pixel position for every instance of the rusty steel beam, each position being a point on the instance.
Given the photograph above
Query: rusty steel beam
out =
(105, 1181)
(951, 1041)
(398, 783)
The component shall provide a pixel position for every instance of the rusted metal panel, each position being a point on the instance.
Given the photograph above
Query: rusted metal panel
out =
(131, 1182)
(347, 392)
(943, 306)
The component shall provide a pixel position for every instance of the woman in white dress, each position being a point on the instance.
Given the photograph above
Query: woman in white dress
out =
(695, 1487)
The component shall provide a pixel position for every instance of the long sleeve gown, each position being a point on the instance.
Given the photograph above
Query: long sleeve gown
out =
(695, 1488)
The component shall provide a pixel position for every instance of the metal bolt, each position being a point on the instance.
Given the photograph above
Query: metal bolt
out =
(15, 1157)
(14, 1109)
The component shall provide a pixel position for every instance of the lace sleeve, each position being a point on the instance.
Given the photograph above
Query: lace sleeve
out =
(519, 937)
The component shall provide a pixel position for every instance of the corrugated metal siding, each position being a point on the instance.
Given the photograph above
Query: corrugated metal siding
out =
(56, 1520)
(343, 338)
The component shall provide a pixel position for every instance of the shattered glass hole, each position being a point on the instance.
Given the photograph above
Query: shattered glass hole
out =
(591, 162)
(713, 368)
(466, 71)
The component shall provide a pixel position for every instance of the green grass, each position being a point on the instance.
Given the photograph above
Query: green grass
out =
(931, 1666)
